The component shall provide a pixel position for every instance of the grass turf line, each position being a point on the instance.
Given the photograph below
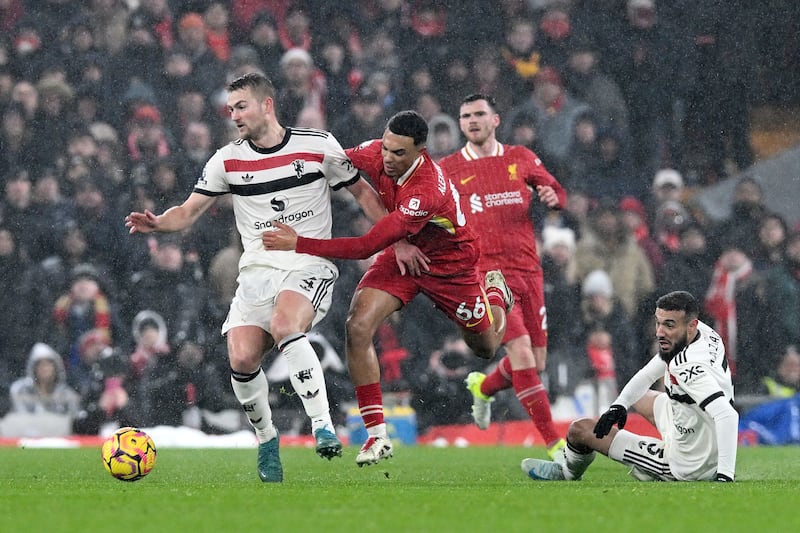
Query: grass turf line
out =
(420, 489)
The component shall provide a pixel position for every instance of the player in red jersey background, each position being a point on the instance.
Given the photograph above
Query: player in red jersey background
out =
(424, 209)
(497, 184)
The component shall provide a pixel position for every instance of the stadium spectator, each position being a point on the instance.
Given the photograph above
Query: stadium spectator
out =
(634, 217)
(171, 286)
(131, 70)
(747, 212)
(84, 306)
(782, 291)
(485, 171)
(584, 79)
(157, 16)
(195, 147)
(521, 56)
(263, 38)
(149, 331)
(17, 142)
(178, 385)
(18, 212)
(690, 266)
(294, 27)
(44, 387)
(709, 453)
(772, 233)
(147, 137)
(167, 191)
(95, 216)
(302, 85)
(108, 20)
(612, 248)
(100, 377)
(554, 35)
(606, 338)
(191, 40)
(438, 393)
(217, 25)
(52, 274)
(341, 78)
(485, 74)
(555, 111)
(669, 219)
(18, 292)
(562, 296)
(735, 305)
(784, 380)
(363, 120)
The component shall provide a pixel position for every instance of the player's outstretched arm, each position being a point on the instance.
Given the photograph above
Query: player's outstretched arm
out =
(173, 219)
(385, 233)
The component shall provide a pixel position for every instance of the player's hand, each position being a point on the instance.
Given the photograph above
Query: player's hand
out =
(547, 195)
(723, 478)
(616, 414)
(146, 222)
(283, 237)
(410, 259)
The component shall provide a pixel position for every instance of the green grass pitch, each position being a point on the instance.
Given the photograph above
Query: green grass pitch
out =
(421, 489)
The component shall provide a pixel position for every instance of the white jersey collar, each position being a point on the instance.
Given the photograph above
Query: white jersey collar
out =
(413, 168)
(470, 154)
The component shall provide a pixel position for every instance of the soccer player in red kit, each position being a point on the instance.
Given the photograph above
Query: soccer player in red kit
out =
(425, 210)
(497, 183)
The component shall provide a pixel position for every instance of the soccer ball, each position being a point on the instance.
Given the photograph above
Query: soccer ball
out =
(129, 454)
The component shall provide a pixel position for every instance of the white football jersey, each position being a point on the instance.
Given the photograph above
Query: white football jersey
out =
(290, 183)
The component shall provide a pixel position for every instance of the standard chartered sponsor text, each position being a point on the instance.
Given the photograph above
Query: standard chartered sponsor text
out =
(502, 198)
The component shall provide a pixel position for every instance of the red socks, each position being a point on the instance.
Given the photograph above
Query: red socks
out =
(370, 404)
(530, 392)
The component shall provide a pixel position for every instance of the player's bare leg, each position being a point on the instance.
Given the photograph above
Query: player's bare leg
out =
(368, 310)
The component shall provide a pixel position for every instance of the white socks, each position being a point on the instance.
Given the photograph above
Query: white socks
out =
(252, 391)
(577, 463)
(308, 379)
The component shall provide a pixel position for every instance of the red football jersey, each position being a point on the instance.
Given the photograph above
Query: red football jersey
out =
(496, 193)
(426, 204)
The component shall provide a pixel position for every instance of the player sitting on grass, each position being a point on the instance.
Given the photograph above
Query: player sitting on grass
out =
(695, 415)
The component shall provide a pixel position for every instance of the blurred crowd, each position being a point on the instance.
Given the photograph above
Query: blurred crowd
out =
(111, 106)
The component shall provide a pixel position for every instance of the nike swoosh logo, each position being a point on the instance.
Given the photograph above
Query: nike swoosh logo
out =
(472, 324)
(466, 180)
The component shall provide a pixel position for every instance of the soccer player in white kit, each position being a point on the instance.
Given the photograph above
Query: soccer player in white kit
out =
(284, 174)
(695, 415)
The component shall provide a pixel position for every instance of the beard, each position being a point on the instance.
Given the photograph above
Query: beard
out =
(676, 349)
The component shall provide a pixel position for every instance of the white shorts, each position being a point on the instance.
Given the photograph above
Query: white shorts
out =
(650, 458)
(647, 456)
(254, 301)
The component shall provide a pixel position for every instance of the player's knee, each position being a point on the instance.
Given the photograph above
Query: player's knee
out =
(580, 431)
(359, 329)
(244, 363)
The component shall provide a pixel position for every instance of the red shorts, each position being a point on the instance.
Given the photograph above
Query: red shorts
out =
(529, 315)
(460, 297)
